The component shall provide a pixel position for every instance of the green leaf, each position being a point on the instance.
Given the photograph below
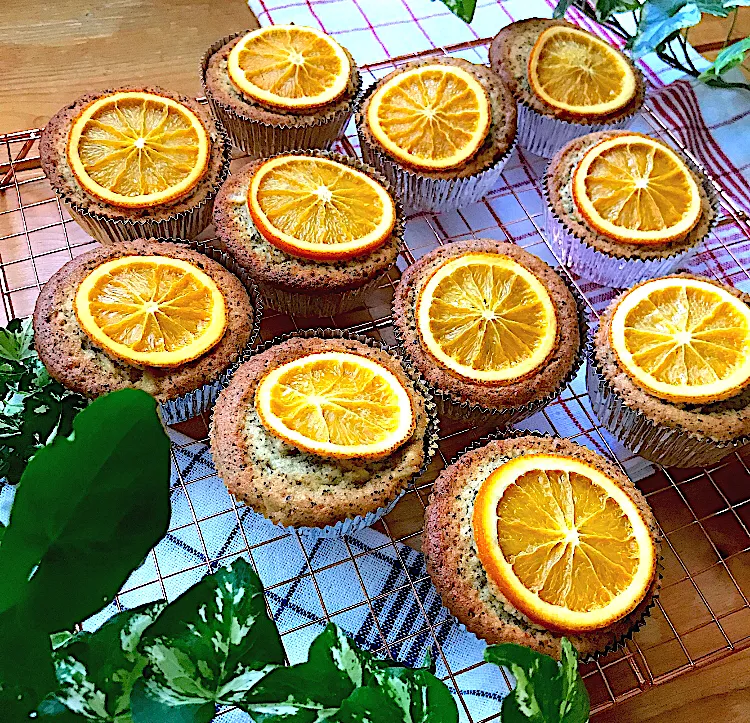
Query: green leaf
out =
(561, 8)
(661, 19)
(213, 643)
(341, 683)
(713, 7)
(728, 58)
(463, 8)
(147, 709)
(17, 340)
(546, 691)
(88, 511)
(97, 671)
(605, 9)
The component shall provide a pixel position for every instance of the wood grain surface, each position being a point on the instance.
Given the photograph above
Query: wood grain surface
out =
(52, 51)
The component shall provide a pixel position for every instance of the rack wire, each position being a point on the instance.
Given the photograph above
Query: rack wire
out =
(703, 612)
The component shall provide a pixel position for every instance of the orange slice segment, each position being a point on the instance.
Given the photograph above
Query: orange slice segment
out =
(320, 209)
(635, 189)
(564, 544)
(683, 340)
(487, 318)
(572, 70)
(151, 310)
(138, 150)
(289, 67)
(432, 117)
(336, 404)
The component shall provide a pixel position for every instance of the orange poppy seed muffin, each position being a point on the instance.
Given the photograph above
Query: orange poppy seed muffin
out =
(590, 247)
(82, 364)
(554, 70)
(439, 322)
(256, 124)
(289, 280)
(476, 512)
(435, 172)
(652, 409)
(112, 202)
(267, 465)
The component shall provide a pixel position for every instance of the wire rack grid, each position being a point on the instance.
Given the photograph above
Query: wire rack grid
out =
(703, 612)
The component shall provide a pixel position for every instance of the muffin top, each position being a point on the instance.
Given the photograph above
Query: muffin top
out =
(515, 46)
(658, 361)
(98, 158)
(93, 359)
(262, 448)
(220, 87)
(466, 565)
(559, 187)
(485, 129)
(487, 284)
(270, 263)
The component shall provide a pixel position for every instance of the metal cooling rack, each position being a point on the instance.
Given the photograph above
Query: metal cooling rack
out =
(702, 614)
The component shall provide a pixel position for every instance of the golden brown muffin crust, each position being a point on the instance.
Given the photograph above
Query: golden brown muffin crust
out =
(73, 359)
(452, 557)
(54, 157)
(293, 488)
(722, 421)
(544, 382)
(509, 57)
(557, 182)
(500, 136)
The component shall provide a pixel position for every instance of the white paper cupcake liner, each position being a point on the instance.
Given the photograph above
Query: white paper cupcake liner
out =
(181, 225)
(617, 642)
(191, 404)
(258, 139)
(656, 442)
(544, 135)
(353, 524)
(420, 192)
(608, 269)
(479, 415)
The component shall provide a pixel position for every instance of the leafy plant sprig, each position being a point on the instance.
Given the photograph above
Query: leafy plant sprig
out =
(34, 408)
(661, 27)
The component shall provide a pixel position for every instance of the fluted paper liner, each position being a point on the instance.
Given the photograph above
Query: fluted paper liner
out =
(479, 415)
(609, 269)
(191, 404)
(323, 302)
(617, 643)
(353, 524)
(259, 139)
(419, 192)
(656, 442)
(185, 224)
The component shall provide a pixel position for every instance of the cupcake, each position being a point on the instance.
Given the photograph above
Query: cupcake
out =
(135, 163)
(532, 538)
(493, 329)
(322, 432)
(316, 231)
(281, 88)
(567, 82)
(150, 315)
(669, 372)
(456, 155)
(624, 207)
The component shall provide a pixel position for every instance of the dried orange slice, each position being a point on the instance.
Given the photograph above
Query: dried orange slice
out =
(431, 117)
(151, 310)
(319, 209)
(138, 150)
(289, 66)
(683, 339)
(563, 542)
(635, 189)
(487, 318)
(336, 404)
(572, 70)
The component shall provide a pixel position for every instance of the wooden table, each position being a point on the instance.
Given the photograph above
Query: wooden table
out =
(52, 52)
